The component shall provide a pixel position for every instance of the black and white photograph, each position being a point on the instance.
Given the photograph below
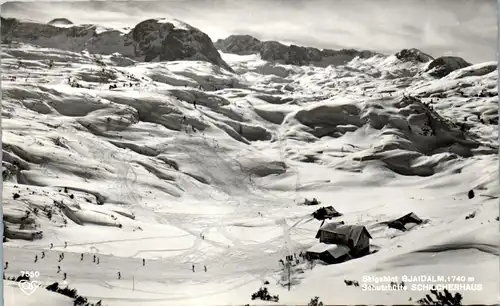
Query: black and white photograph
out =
(250, 152)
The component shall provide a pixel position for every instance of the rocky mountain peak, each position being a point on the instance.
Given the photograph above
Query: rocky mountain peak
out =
(151, 40)
(413, 55)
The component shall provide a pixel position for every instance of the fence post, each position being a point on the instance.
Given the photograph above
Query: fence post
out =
(289, 281)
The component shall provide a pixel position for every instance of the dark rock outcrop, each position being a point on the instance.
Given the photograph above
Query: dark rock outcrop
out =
(274, 51)
(239, 44)
(413, 55)
(150, 40)
(444, 65)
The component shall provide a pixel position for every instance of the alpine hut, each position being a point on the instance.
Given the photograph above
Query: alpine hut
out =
(356, 237)
(405, 222)
(329, 253)
(326, 213)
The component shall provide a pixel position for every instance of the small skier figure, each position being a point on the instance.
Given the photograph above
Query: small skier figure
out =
(193, 268)
(143, 262)
(97, 260)
(51, 245)
(58, 269)
(205, 268)
(43, 255)
(64, 278)
(81, 257)
(36, 258)
(194, 103)
(94, 258)
(65, 244)
(119, 275)
(6, 265)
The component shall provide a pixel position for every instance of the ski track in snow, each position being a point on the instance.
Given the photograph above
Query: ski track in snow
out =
(217, 196)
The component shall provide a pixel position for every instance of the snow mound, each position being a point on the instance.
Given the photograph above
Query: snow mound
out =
(473, 70)
(60, 22)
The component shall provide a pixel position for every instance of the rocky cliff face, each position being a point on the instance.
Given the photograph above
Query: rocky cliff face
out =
(294, 55)
(150, 40)
(413, 55)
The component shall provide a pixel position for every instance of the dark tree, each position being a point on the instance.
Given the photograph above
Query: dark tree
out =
(471, 194)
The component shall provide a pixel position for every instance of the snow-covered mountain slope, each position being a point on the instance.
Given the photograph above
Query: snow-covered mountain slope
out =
(157, 39)
(185, 163)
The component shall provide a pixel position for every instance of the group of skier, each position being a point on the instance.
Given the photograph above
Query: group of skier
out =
(95, 260)
(192, 267)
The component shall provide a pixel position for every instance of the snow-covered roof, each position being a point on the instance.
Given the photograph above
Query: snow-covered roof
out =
(408, 218)
(330, 225)
(334, 249)
(342, 230)
(320, 247)
(350, 232)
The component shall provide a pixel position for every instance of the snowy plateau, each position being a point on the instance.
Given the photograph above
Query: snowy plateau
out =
(149, 143)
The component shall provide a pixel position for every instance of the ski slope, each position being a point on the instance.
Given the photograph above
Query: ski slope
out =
(143, 184)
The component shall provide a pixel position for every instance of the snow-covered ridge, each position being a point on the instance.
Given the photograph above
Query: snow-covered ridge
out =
(292, 54)
(179, 24)
(414, 60)
(151, 40)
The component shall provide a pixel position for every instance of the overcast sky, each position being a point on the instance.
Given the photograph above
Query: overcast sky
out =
(466, 28)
